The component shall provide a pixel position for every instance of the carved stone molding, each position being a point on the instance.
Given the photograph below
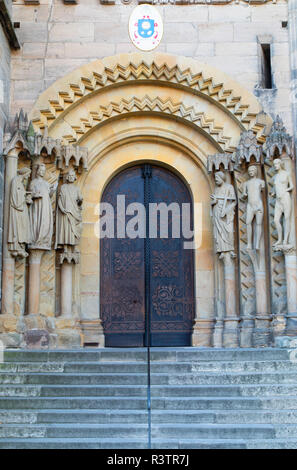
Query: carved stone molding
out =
(278, 140)
(149, 104)
(248, 147)
(214, 162)
(178, 72)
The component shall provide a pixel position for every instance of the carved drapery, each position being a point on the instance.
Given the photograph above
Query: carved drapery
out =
(223, 203)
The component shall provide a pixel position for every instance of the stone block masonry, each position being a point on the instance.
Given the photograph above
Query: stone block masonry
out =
(56, 38)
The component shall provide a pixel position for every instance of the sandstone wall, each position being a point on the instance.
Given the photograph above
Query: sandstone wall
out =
(57, 38)
(4, 114)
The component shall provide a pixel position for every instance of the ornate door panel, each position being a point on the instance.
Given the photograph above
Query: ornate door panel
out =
(122, 274)
(171, 268)
(152, 278)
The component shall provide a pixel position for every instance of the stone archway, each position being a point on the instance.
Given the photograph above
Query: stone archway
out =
(133, 108)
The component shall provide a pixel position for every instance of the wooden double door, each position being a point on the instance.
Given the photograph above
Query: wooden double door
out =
(147, 279)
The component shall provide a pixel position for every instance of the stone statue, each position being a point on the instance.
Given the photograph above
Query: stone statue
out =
(252, 191)
(41, 212)
(223, 203)
(69, 214)
(283, 185)
(19, 233)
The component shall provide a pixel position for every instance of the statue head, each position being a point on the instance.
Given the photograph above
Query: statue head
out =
(220, 178)
(277, 163)
(252, 170)
(41, 170)
(25, 174)
(71, 176)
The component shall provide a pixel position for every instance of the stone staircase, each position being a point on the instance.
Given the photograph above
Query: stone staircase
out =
(96, 398)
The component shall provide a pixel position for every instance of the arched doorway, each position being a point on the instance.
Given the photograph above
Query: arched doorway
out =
(152, 275)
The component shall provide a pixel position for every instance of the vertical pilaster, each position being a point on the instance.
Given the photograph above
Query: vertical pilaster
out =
(230, 331)
(246, 277)
(291, 278)
(262, 327)
(66, 289)
(34, 281)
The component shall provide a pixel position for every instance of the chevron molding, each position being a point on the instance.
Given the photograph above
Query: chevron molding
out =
(75, 88)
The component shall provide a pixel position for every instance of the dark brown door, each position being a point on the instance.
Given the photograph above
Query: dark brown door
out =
(146, 278)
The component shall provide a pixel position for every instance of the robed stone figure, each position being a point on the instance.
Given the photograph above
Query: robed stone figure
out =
(19, 233)
(41, 212)
(223, 203)
(69, 214)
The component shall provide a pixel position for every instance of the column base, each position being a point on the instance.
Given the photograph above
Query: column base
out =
(262, 337)
(231, 333)
(278, 325)
(217, 340)
(92, 333)
(246, 332)
(291, 326)
(202, 333)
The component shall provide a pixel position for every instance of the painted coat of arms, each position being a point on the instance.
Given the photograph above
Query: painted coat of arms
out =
(145, 27)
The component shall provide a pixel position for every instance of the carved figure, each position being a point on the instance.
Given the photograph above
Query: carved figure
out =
(283, 185)
(223, 203)
(69, 214)
(19, 233)
(252, 191)
(41, 212)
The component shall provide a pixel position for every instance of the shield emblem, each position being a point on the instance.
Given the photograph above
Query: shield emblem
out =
(146, 28)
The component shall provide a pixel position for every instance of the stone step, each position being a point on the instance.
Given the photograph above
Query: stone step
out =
(161, 431)
(141, 367)
(139, 403)
(183, 367)
(198, 378)
(68, 443)
(94, 443)
(118, 431)
(127, 391)
(103, 402)
(140, 354)
(182, 391)
(141, 416)
(75, 379)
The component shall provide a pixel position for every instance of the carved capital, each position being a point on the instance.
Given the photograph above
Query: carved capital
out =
(69, 257)
(227, 257)
(35, 256)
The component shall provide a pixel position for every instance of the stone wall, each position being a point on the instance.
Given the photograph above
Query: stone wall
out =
(57, 38)
(4, 114)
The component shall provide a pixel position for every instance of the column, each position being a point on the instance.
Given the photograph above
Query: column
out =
(67, 260)
(291, 279)
(8, 261)
(262, 327)
(66, 289)
(230, 332)
(34, 281)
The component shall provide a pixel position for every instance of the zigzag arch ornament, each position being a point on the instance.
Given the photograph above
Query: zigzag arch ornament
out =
(145, 27)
